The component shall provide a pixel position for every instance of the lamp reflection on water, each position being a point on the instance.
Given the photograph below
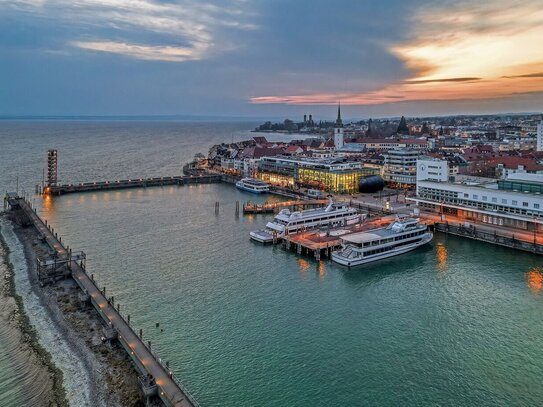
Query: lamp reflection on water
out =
(534, 278)
(303, 265)
(321, 267)
(442, 254)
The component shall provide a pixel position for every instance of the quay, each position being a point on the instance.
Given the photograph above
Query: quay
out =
(253, 208)
(156, 379)
(511, 240)
(130, 183)
(321, 243)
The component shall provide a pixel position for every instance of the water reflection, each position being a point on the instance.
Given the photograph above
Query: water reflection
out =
(534, 278)
(441, 255)
(303, 265)
(321, 268)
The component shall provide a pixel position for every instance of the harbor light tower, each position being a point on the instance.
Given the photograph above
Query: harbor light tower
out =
(52, 168)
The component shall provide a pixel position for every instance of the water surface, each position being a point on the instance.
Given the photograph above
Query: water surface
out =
(455, 323)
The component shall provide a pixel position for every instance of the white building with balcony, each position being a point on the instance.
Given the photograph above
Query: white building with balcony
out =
(400, 167)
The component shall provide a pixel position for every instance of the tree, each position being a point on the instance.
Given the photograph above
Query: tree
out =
(402, 127)
(425, 129)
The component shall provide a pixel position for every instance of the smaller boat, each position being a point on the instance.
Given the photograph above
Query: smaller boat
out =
(286, 222)
(401, 236)
(253, 185)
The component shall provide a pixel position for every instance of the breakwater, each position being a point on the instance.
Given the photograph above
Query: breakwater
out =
(156, 378)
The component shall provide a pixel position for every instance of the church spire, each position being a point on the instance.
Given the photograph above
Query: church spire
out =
(339, 122)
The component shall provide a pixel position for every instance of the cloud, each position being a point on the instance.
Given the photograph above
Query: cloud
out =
(138, 51)
(454, 51)
(145, 29)
(528, 75)
(415, 81)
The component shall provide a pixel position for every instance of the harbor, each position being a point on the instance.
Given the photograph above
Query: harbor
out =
(185, 212)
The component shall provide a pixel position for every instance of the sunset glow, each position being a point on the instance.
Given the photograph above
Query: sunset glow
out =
(467, 52)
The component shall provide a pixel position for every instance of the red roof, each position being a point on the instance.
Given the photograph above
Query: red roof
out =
(259, 152)
(260, 140)
(514, 162)
(293, 149)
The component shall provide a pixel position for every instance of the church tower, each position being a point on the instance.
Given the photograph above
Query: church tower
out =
(339, 141)
(540, 136)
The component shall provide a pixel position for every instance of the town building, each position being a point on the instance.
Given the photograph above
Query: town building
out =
(432, 169)
(393, 143)
(505, 166)
(515, 202)
(331, 175)
(400, 167)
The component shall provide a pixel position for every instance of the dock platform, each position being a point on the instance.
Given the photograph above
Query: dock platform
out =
(272, 207)
(163, 384)
(321, 243)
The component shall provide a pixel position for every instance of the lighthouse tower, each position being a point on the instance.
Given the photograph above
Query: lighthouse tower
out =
(338, 130)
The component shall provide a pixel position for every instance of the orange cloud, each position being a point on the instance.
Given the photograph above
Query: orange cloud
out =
(490, 49)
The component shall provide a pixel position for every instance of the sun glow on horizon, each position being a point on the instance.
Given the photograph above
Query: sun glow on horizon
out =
(467, 51)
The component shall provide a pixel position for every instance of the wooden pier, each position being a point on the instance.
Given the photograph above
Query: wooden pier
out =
(272, 207)
(321, 243)
(156, 378)
(131, 183)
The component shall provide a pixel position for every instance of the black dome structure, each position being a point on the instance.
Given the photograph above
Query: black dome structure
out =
(371, 184)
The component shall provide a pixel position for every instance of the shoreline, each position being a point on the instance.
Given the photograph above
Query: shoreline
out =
(102, 375)
(34, 354)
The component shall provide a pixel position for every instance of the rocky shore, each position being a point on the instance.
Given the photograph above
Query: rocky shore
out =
(47, 385)
(109, 374)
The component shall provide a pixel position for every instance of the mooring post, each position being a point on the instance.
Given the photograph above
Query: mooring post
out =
(128, 319)
(149, 344)
(141, 333)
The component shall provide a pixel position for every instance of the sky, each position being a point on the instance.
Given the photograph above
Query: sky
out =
(270, 58)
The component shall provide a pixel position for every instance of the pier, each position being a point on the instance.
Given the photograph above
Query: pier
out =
(321, 243)
(253, 208)
(156, 379)
(63, 189)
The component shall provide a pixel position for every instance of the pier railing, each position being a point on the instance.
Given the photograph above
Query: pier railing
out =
(131, 183)
(473, 232)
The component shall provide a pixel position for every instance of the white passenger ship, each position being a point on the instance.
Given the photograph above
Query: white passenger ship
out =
(253, 185)
(287, 222)
(401, 236)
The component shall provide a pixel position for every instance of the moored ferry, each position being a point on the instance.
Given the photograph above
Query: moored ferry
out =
(401, 236)
(253, 185)
(287, 222)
